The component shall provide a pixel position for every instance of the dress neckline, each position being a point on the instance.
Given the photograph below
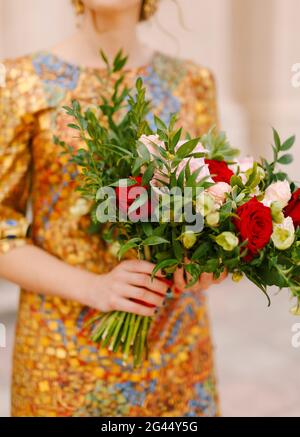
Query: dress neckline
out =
(79, 67)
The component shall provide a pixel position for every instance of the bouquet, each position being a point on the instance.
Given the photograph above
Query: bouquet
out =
(181, 202)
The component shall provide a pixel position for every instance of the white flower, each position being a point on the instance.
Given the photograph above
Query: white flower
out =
(189, 238)
(278, 191)
(276, 211)
(227, 240)
(213, 218)
(219, 191)
(283, 234)
(205, 204)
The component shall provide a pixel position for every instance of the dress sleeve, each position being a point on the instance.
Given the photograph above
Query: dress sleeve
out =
(16, 126)
(206, 111)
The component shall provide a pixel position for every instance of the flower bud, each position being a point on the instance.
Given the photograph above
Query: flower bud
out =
(237, 276)
(189, 238)
(276, 211)
(205, 204)
(213, 218)
(283, 234)
(114, 248)
(295, 310)
(227, 240)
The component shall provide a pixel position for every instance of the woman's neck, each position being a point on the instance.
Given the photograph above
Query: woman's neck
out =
(108, 32)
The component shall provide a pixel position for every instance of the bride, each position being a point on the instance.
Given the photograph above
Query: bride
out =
(62, 269)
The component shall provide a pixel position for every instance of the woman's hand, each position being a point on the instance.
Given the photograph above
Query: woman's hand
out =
(205, 281)
(128, 287)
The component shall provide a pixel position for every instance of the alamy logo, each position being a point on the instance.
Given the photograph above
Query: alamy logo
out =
(296, 76)
(2, 75)
(2, 336)
(296, 336)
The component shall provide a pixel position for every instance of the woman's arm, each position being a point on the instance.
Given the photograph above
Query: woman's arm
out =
(34, 269)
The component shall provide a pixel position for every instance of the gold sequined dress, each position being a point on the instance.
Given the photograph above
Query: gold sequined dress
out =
(57, 370)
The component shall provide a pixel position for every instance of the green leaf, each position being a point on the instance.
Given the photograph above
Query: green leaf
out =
(104, 57)
(176, 246)
(176, 138)
(160, 124)
(73, 126)
(139, 201)
(148, 175)
(258, 283)
(122, 183)
(236, 181)
(143, 151)
(138, 163)
(194, 270)
(252, 179)
(154, 241)
(288, 144)
(147, 228)
(276, 139)
(285, 159)
(134, 242)
(163, 265)
(186, 148)
(200, 252)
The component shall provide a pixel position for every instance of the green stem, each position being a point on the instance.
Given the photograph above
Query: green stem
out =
(100, 328)
(125, 329)
(129, 336)
(117, 330)
(136, 327)
(143, 339)
(147, 253)
(110, 321)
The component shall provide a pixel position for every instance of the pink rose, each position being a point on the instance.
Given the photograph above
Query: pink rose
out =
(278, 192)
(219, 191)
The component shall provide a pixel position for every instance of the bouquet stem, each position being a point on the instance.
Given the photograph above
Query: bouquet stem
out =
(123, 331)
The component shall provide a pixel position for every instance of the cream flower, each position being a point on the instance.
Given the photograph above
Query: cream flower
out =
(205, 204)
(227, 240)
(283, 234)
(219, 191)
(278, 192)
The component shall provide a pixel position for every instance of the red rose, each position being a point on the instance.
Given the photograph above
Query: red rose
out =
(220, 169)
(293, 208)
(125, 199)
(254, 225)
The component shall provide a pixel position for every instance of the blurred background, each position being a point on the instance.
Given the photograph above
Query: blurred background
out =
(253, 48)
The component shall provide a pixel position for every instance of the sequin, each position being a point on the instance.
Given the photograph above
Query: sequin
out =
(58, 371)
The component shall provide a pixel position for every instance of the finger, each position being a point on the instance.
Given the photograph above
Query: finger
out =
(179, 281)
(144, 295)
(141, 266)
(221, 278)
(135, 308)
(206, 280)
(145, 281)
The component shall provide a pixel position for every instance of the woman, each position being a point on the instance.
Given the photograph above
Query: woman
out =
(63, 270)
